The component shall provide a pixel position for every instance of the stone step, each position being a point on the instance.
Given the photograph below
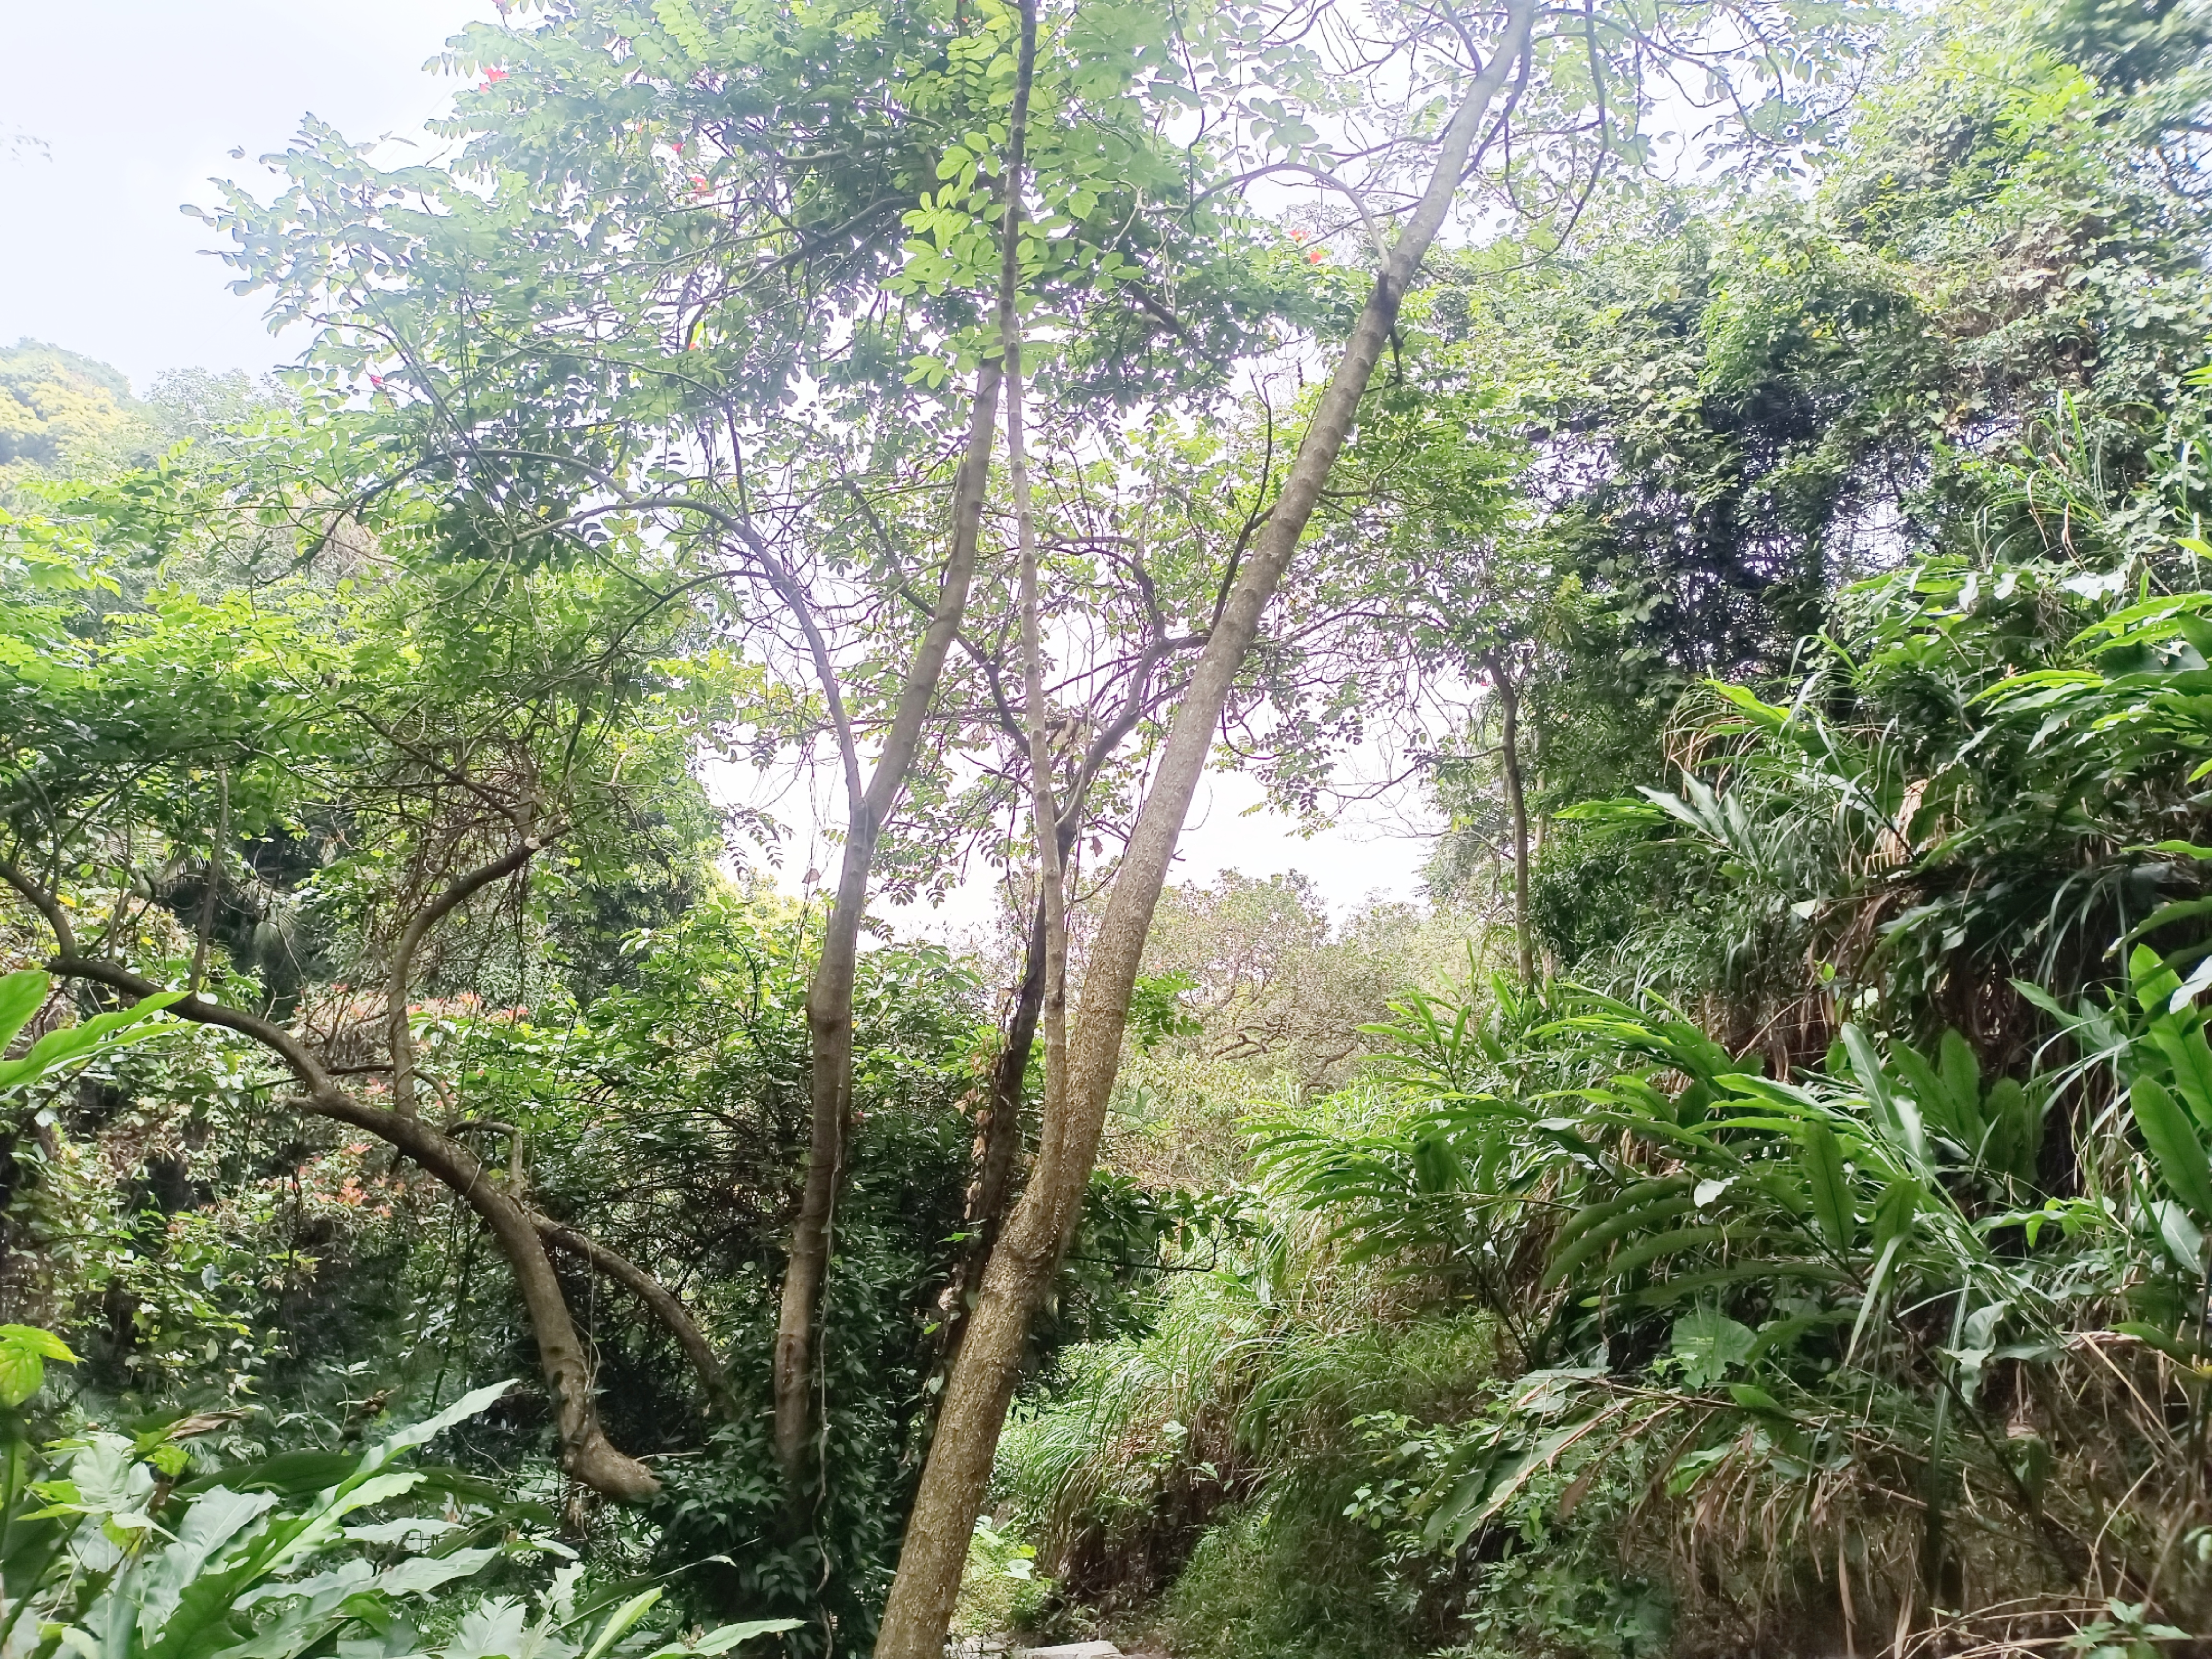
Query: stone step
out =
(1072, 1650)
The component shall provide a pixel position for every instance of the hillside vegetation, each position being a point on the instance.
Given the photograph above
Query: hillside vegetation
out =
(470, 806)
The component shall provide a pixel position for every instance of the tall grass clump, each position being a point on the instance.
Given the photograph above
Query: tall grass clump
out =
(1248, 1402)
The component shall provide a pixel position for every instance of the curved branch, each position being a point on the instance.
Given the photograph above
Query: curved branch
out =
(44, 904)
(586, 1451)
(665, 1305)
(399, 1035)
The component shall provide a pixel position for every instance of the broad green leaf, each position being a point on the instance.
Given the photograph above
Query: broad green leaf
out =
(1829, 1187)
(418, 1434)
(24, 1350)
(420, 1574)
(22, 993)
(2183, 1238)
(723, 1638)
(621, 1619)
(1961, 1075)
(2191, 1059)
(2154, 981)
(1750, 1397)
(2174, 1148)
(57, 1048)
(1900, 1122)
(1708, 1344)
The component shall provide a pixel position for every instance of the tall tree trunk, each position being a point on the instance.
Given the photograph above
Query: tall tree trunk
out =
(1002, 1140)
(1052, 890)
(1517, 803)
(829, 996)
(829, 993)
(1021, 1270)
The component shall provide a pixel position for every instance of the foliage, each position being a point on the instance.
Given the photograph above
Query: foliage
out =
(1001, 1590)
(121, 1549)
(24, 992)
(1819, 1246)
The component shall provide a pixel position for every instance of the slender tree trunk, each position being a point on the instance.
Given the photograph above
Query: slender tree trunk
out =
(1021, 1270)
(1002, 1140)
(829, 993)
(829, 997)
(1516, 802)
(1052, 890)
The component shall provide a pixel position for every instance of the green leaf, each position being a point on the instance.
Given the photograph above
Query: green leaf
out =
(1928, 1089)
(2172, 1138)
(21, 995)
(1893, 1211)
(1753, 1398)
(417, 1434)
(723, 1638)
(24, 1350)
(1900, 1122)
(2154, 981)
(1708, 1344)
(2191, 1059)
(1663, 1205)
(621, 1619)
(1961, 1076)
(1823, 1159)
(2183, 1238)
(419, 1575)
(57, 1048)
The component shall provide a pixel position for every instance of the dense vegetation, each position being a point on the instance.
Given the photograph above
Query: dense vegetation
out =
(1756, 1204)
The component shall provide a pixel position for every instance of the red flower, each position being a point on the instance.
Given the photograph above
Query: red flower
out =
(1314, 257)
(491, 75)
(376, 380)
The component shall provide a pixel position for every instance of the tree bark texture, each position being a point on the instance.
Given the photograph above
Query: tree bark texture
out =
(957, 1472)
(1002, 1141)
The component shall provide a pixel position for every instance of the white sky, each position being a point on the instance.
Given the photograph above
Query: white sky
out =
(140, 101)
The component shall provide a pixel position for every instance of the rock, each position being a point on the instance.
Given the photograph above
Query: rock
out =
(1072, 1650)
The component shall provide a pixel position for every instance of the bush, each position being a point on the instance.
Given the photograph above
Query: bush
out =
(1001, 1589)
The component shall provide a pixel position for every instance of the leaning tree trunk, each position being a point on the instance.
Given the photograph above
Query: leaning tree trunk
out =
(586, 1455)
(1021, 1270)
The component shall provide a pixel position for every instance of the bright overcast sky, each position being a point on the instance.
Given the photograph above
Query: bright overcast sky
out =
(139, 102)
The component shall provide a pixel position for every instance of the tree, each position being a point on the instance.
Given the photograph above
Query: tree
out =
(773, 237)
(428, 751)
